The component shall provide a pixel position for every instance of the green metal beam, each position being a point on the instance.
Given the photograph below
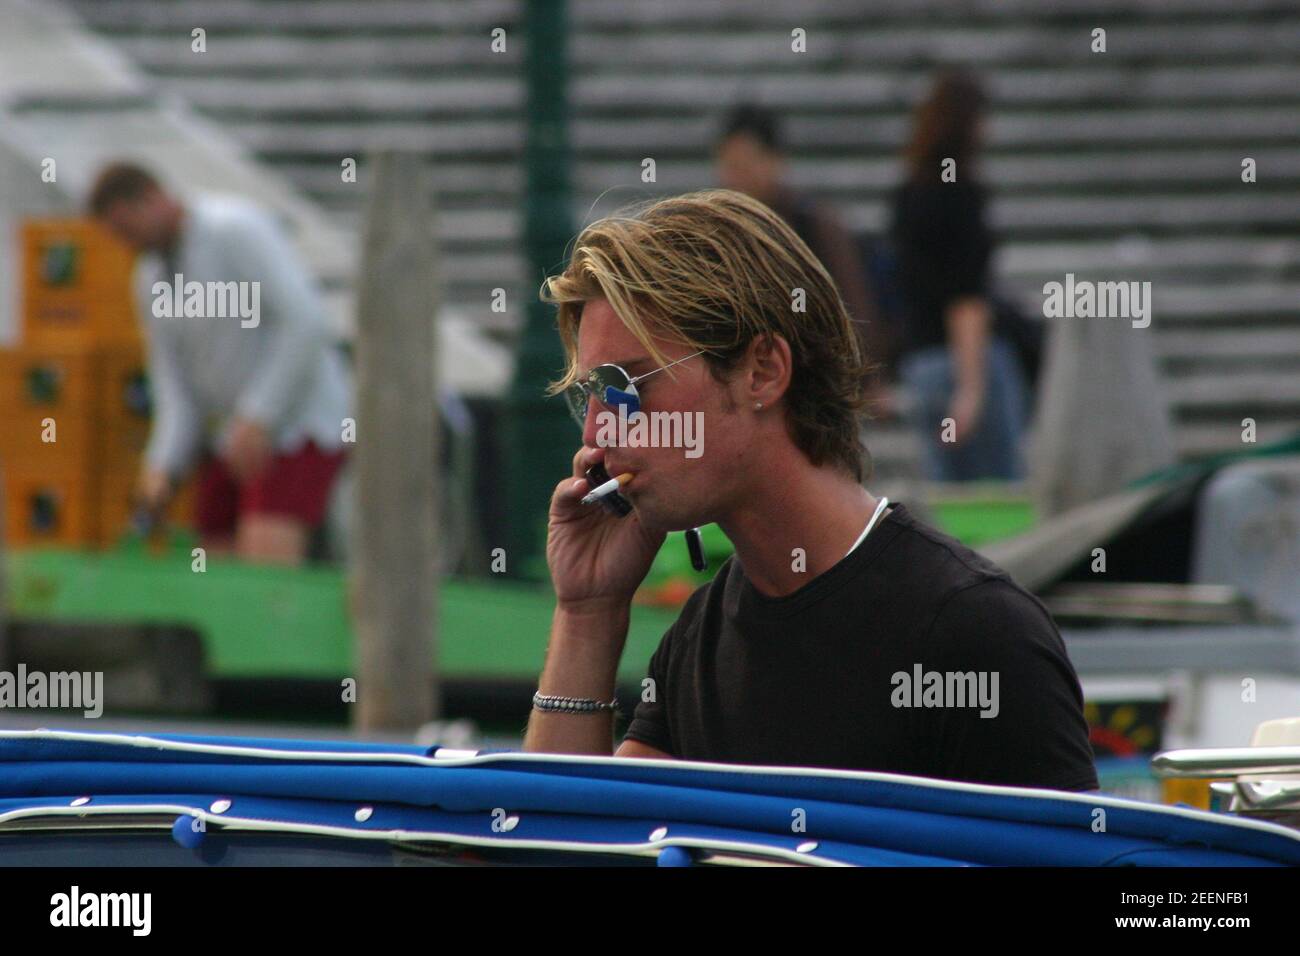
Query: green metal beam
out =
(540, 437)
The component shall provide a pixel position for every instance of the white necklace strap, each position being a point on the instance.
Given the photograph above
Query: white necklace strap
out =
(870, 524)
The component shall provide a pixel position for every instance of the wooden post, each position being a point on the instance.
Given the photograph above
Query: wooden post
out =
(6, 660)
(396, 569)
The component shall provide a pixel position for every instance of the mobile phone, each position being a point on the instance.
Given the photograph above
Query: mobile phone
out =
(614, 502)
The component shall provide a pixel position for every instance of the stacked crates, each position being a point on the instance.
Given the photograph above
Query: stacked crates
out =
(74, 398)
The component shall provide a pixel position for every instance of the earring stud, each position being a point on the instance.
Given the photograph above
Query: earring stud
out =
(758, 405)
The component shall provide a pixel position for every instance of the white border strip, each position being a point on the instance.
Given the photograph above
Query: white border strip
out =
(247, 824)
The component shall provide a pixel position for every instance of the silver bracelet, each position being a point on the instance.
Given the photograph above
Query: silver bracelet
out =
(573, 705)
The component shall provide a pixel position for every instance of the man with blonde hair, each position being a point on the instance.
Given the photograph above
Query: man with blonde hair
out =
(843, 632)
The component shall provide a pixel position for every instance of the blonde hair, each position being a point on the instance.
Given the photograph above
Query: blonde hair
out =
(715, 270)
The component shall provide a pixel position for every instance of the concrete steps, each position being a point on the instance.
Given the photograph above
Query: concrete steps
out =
(1123, 165)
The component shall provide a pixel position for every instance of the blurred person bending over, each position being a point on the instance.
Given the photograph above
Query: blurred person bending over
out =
(952, 362)
(751, 159)
(812, 642)
(256, 396)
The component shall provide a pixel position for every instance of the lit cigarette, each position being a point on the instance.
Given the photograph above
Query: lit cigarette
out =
(608, 487)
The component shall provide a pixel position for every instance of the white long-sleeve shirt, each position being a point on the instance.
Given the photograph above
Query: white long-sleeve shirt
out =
(284, 372)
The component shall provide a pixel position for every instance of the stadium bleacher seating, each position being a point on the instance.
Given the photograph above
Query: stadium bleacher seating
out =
(1117, 165)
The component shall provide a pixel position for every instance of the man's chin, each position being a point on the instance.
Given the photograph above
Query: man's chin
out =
(651, 517)
(643, 506)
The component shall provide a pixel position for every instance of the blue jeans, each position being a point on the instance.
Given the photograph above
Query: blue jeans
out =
(993, 449)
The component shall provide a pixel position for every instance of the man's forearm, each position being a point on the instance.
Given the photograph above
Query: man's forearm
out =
(581, 661)
(969, 324)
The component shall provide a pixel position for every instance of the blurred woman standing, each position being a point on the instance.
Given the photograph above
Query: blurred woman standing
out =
(953, 363)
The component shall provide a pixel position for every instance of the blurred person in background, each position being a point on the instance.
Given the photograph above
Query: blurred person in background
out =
(259, 403)
(751, 159)
(953, 362)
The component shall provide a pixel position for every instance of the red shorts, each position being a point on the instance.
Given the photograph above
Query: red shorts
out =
(295, 485)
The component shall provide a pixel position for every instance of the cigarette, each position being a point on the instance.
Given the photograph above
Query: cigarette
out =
(608, 487)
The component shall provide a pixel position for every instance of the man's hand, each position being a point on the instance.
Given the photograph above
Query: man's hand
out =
(248, 449)
(153, 490)
(966, 410)
(595, 558)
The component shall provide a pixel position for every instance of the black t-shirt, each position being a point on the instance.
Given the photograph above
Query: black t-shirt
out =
(846, 672)
(943, 248)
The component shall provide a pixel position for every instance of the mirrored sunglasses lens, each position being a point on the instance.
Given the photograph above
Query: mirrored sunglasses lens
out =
(611, 386)
(576, 396)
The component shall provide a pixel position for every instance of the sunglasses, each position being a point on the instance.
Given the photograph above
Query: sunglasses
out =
(612, 387)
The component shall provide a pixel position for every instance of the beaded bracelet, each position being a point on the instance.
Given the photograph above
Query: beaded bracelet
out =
(573, 705)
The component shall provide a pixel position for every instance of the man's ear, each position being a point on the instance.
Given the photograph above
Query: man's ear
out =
(770, 370)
